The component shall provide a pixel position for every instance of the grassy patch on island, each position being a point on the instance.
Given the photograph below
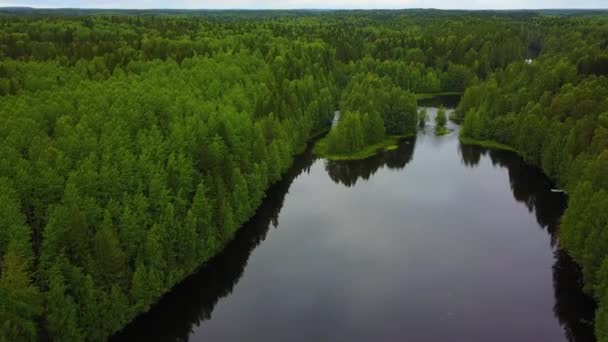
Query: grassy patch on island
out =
(486, 144)
(390, 143)
(391, 148)
(439, 131)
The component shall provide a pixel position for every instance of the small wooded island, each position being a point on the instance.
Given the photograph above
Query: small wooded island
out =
(441, 121)
(135, 144)
(376, 113)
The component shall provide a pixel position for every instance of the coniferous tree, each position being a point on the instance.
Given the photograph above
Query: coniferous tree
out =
(441, 121)
(422, 118)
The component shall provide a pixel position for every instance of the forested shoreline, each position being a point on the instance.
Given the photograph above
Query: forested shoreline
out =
(134, 146)
(553, 110)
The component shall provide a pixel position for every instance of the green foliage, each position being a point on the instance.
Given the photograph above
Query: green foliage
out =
(373, 128)
(132, 177)
(400, 112)
(368, 93)
(386, 109)
(552, 112)
(423, 117)
(62, 312)
(485, 143)
(347, 137)
(133, 147)
(387, 144)
(441, 121)
(20, 300)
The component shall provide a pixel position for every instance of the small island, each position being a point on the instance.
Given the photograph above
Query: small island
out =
(441, 121)
(422, 118)
(376, 115)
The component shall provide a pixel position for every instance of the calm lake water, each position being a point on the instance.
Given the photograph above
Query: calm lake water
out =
(434, 241)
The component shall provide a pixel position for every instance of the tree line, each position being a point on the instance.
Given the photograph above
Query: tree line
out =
(553, 111)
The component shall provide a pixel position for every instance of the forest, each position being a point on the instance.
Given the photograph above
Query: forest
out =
(134, 145)
(554, 112)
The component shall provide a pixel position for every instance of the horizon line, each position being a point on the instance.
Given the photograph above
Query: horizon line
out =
(307, 8)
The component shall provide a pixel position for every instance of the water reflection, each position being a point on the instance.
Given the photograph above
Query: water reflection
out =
(471, 155)
(574, 309)
(179, 313)
(528, 184)
(348, 172)
(192, 302)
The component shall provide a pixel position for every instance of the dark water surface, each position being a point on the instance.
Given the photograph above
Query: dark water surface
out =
(434, 241)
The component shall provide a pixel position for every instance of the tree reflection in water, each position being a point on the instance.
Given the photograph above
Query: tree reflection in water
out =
(574, 309)
(193, 301)
(348, 172)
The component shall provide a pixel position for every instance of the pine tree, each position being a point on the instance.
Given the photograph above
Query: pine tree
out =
(110, 261)
(20, 300)
(422, 118)
(62, 311)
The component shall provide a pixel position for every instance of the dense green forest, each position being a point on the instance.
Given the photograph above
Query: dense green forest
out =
(135, 144)
(554, 111)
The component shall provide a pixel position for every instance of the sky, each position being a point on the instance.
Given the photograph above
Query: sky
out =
(316, 4)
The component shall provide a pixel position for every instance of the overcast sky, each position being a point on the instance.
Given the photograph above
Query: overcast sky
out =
(320, 4)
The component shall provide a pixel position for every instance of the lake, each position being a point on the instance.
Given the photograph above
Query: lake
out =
(433, 241)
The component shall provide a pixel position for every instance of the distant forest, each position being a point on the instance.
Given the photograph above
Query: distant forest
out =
(135, 143)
